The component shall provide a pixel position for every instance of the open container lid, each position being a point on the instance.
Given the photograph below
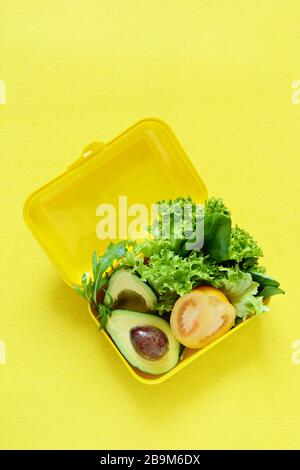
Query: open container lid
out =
(146, 163)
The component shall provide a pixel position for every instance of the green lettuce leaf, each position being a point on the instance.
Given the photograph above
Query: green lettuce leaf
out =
(242, 245)
(167, 272)
(263, 279)
(215, 205)
(170, 275)
(250, 305)
(268, 286)
(241, 290)
(182, 214)
(217, 229)
(268, 291)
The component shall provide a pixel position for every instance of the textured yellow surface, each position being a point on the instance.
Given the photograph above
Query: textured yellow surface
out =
(220, 73)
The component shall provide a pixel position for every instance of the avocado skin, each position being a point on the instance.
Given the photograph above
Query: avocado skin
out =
(128, 292)
(119, 326)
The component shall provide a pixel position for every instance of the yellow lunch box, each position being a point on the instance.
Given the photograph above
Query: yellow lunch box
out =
(146, 163)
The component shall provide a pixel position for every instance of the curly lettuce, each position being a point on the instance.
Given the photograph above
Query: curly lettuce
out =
(215, 205)
(242, 245)
(179, 218)
(167, 272)
(171, 276)
(241, 291)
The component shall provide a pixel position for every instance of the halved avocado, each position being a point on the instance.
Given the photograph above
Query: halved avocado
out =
(129, 292)
(145, 340)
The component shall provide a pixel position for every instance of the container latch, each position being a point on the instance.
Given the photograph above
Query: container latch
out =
(89, 151)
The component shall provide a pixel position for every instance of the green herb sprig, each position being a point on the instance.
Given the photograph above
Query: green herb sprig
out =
(91, 285)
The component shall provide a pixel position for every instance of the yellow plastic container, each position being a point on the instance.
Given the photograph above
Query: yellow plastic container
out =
(146, 163)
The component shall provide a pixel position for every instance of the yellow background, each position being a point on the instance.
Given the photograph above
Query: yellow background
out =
(220, 73)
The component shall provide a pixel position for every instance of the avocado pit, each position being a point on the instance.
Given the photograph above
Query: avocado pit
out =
(149, 342)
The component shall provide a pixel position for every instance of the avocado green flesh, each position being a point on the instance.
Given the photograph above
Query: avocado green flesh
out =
(128, 292)
(119, 325)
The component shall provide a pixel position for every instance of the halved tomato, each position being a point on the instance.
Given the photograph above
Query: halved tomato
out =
(198, 318)
(209, 290)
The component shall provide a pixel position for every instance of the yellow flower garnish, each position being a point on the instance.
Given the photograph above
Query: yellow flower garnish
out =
(115, 263)
(150, 236)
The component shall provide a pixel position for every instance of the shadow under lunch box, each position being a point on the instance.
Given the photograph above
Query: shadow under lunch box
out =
(146, 163)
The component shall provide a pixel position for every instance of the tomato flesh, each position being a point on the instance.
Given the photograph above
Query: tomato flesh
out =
(197, 319)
